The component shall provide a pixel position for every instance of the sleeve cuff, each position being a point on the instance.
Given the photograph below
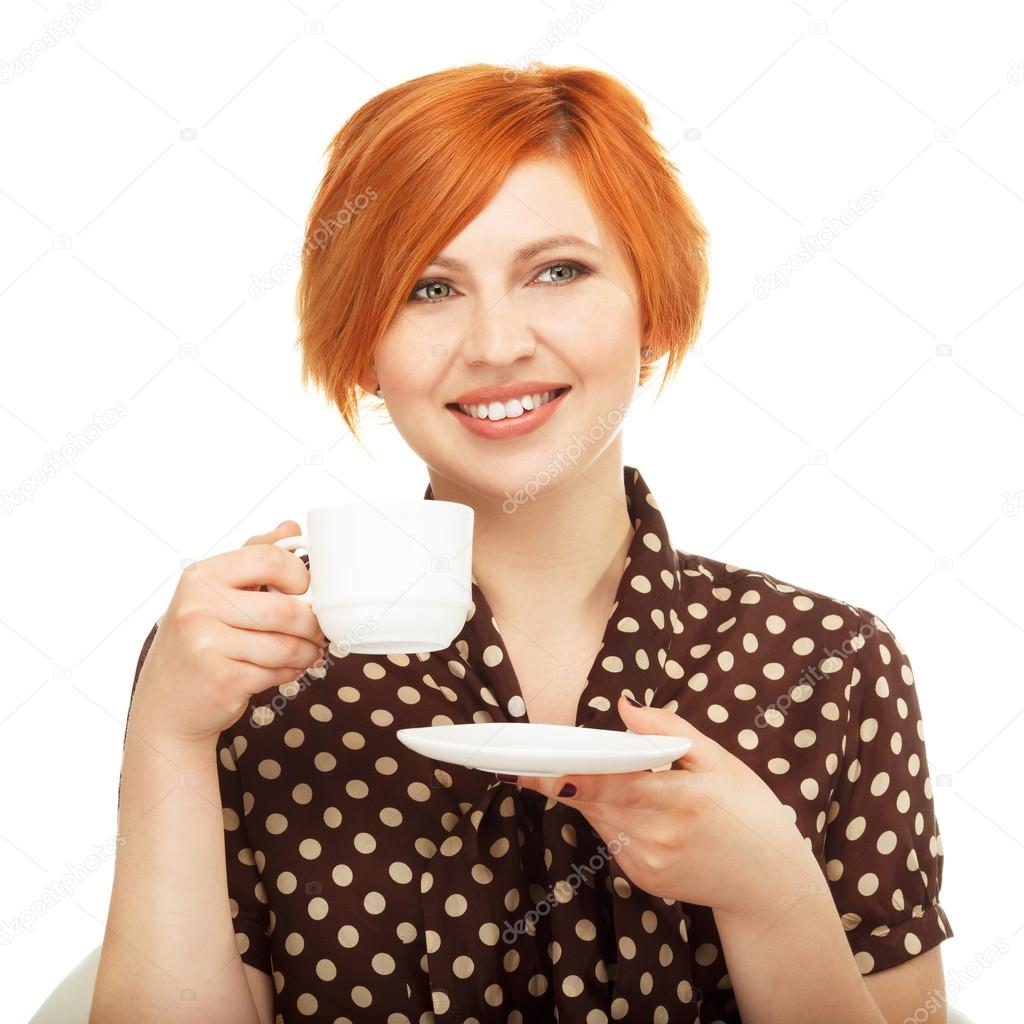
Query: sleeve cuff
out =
(889, 945)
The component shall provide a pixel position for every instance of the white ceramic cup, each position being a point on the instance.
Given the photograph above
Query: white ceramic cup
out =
(389, 577)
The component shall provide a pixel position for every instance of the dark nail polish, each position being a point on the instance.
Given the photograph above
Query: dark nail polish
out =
(635, 703)
(567, 790)
(505, 778)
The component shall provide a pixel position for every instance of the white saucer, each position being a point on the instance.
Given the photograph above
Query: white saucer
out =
(538, 749)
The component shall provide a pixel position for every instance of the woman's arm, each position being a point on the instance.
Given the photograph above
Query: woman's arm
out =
(793, 962)
(169, 952)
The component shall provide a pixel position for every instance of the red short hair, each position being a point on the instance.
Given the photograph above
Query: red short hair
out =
(416, 163)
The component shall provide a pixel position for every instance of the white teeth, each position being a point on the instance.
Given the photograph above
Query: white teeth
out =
(511, 409)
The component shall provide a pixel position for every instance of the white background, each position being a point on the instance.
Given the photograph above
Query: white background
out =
(857, 431)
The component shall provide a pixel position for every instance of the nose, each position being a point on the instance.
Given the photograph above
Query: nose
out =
(498, 335)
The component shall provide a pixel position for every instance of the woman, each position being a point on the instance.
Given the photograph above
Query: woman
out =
(503, 257)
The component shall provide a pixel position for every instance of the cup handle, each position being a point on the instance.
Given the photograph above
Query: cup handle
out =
(290, 544)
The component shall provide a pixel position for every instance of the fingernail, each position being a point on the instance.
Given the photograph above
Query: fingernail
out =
(505, 778)
(635, 703)
(319, 663)
(567, 790)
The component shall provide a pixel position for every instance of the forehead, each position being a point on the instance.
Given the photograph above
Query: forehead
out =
(538, 198)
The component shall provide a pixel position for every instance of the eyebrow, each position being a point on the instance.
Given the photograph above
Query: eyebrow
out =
(526, 252)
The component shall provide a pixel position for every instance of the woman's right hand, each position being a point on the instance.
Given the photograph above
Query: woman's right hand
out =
(222, 640)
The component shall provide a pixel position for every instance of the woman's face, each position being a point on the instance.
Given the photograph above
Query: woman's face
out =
(566, 315)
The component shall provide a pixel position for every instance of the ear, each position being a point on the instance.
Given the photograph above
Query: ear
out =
(367, 380)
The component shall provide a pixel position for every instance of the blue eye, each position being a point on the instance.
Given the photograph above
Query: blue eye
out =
(579, 271)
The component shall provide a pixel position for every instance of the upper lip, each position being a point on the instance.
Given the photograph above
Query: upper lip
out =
(527, 387)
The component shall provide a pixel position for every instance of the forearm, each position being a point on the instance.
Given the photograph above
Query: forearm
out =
(169, 951)
(791, 963)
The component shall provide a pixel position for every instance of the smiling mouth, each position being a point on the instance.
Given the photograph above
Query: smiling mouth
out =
(456, 407)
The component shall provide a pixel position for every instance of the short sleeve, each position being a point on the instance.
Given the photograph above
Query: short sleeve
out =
(247, 895)
(883, 848)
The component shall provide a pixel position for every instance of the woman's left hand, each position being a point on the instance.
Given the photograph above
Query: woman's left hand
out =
(710, 832)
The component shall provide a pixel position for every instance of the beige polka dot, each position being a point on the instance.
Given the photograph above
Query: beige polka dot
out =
(276, 824)
(306, 1004)
(348, 935)
(572, 985)
(400, 872)
(886, 842)
(456, 905)
(747, 739)
(362, 996)
(382, 963)
(867, 884)
(463, 966)
(865, 962)
(717, 713)
(309, 848)
(317, 908)
(418, 791)
(706, 954)
(286, 883)
(374, 902)
(364, 842)
(326, 969)
(294, 943)
(269, 768)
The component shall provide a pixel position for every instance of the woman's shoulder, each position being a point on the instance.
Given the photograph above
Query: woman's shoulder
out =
(756, 590)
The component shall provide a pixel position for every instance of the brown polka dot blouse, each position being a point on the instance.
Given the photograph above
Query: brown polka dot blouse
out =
(375, 884)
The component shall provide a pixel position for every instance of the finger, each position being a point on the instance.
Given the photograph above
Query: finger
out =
(704, 752)
(276, 613)
(261, 564)
(269, 650)
(633, 790)
(289, 528)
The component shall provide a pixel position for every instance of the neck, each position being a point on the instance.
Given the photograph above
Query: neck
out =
(554, 560)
